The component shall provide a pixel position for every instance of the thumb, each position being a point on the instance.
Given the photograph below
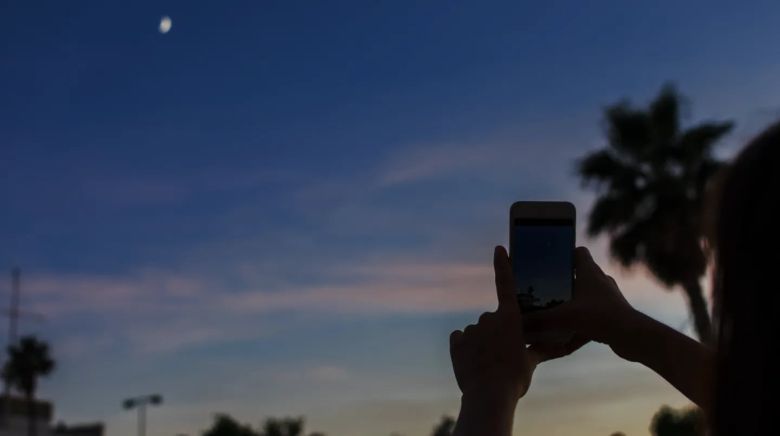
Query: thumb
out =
(584, 263)
(543, 352)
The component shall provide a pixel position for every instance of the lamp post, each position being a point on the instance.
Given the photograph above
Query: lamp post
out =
(140, 403)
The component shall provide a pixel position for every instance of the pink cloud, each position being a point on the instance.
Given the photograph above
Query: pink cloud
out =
(156, 311)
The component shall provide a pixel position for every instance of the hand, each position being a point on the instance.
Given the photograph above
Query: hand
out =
(492, 365)
(490, 359)
(597, 311)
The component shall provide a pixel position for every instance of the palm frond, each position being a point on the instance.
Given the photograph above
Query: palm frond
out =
(699, 140)
(627, 245)
(709, 169)
(629, 130)
(611, 212)
(665, 115)
(673, 257)
(604, 166)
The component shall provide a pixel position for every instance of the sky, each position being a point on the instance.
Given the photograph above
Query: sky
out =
(284, 207)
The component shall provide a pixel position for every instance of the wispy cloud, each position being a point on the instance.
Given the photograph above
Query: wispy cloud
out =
(157, 311)
(129, 191)
(327, 374)
(414, 164)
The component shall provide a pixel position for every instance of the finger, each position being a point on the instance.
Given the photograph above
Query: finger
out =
(583, 261)
(577, 341)
(535, 356)
(561, 317)
(543, 352)
(455, 338)
(456, 350)
(505, 287)
(486, 318)
(469, 330)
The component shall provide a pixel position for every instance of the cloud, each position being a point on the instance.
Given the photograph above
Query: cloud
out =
(131, 191)
(159, 311)
(327, 374)
(53, 295)
(416, 164)
(389, 288)
(162, 313)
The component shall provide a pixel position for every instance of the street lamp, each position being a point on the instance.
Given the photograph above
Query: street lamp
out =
(140, 403)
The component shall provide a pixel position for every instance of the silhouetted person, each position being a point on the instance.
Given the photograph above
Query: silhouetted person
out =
(735, 384)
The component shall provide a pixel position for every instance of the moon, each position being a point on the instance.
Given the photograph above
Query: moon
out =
(165, 24)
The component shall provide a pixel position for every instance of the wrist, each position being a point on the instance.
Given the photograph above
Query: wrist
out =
(629, 328)
(485, 413)
(494, 402)
(489, 400)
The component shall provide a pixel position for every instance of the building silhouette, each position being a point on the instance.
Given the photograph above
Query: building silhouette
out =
(16, 420)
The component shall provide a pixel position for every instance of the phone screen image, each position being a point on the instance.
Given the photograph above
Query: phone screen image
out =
(542, 251)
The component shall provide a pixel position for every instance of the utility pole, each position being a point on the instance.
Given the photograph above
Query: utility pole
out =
(13, 309)
(140, 403)
(13, 313)
(13, 319)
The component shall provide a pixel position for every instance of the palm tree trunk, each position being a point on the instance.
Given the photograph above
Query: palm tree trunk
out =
(698, 307)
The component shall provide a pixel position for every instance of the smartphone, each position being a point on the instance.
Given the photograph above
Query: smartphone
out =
(541, 249)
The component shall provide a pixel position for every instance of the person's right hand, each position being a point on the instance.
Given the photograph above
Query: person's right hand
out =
(597, 311)
(489, 358)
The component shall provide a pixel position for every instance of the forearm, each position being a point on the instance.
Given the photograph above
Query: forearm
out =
(685, 363)
(485, 415)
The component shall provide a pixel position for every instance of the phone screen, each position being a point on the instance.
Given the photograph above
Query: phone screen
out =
(542, 252)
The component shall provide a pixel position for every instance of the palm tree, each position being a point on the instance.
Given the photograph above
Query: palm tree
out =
(27, 361)
(651, 180)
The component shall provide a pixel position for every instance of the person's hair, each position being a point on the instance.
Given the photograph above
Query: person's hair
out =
(747, 302)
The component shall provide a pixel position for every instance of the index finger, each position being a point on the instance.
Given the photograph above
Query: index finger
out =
(505, 282)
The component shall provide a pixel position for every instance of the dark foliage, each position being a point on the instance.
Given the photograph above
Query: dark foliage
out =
(651, 180)
(28, 360)
(444, 427)
(671, 422)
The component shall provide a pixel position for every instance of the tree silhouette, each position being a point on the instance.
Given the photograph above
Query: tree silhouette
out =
(225, 425)
(27, 361)
(283, 427)
(651, 180)
(671, 422)
(444, 427)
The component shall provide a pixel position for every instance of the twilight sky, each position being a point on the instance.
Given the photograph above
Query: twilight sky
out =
(284, 207)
